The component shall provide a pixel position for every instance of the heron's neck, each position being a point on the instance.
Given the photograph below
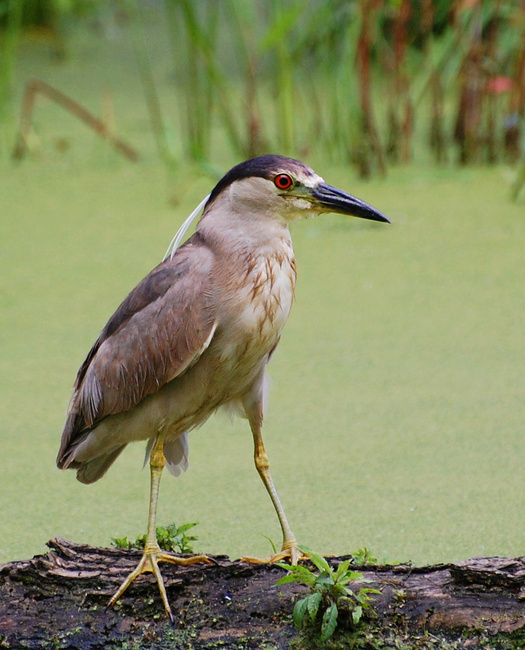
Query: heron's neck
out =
(253, 234)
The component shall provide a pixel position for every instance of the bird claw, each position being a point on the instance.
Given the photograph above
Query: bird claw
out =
(290, 551)
(149, 564)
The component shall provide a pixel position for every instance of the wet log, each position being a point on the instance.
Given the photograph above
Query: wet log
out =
(59, 600)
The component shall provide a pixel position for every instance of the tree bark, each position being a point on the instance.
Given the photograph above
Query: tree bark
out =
(59, 600)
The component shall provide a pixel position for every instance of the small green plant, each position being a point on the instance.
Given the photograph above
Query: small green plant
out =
(363, 557)
(329, 594)
(172, 538)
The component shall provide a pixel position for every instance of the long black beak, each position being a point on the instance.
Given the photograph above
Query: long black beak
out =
(335, 200)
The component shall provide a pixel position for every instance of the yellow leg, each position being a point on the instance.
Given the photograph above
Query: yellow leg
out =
(152, 552)
(290, 548)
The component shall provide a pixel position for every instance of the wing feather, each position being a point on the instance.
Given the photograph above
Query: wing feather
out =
(159, 330)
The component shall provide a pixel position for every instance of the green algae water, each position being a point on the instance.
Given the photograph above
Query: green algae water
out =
(397, 401)
(396, 406)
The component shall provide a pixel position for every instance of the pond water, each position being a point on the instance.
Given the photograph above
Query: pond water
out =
(397, 403)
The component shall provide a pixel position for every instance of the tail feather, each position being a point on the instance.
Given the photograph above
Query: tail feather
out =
(91, 470)
(175, 451)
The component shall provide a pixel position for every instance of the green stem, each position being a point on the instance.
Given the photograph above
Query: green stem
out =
(8, 53)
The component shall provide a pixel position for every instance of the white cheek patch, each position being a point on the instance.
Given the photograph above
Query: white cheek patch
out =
(302, 204)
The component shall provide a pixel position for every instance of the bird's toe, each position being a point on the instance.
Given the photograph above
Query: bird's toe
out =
(290, 552)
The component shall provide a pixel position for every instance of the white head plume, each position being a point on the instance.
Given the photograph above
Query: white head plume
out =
(175, 242)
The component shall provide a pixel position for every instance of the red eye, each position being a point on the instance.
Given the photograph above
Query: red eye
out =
(283, 182)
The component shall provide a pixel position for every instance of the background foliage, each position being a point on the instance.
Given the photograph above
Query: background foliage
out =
(354, 79)
(397, 405)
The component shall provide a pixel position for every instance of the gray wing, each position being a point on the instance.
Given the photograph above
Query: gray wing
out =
(159, 330)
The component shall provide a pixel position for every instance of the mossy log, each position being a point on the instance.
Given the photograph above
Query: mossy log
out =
(58, 600)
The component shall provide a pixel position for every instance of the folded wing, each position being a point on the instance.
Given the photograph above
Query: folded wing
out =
(159, 330)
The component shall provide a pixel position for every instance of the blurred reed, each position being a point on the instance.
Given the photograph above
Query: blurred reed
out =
(353, 79)
(370, 82)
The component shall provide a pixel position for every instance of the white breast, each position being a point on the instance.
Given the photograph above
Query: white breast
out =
(268, 295)
(259, 305)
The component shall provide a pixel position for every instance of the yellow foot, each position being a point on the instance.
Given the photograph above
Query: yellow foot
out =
(149, 564)
(290, 551)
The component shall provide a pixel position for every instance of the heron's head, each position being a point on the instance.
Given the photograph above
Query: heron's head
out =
(258, 197)
(282, 189)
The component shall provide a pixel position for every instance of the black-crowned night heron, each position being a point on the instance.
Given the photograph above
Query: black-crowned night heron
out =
(196, 334)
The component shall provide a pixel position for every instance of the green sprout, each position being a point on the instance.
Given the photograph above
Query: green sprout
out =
(363, 557)
(330, 592)
(173, 538)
